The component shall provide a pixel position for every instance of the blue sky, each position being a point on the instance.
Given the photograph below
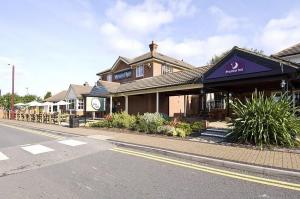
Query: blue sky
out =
(57, 42)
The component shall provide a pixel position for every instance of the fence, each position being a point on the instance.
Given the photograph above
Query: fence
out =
(56, 118)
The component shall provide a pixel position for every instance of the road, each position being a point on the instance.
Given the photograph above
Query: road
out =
(82, 167)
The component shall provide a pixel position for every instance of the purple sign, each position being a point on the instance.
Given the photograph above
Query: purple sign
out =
(237, 66)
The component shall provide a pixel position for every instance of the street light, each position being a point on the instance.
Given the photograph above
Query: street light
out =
(12, 99)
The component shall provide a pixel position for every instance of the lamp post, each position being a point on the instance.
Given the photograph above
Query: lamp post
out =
(12, 99)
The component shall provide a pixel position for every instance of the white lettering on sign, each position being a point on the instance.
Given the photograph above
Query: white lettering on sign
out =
(234, 67)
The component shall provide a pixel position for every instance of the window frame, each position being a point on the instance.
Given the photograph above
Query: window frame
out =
(139, 71)
(72, 102)
(80, 104)
(165, 69)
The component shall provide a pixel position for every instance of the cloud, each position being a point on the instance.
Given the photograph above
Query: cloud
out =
(197, 51)
(127, 25)
(119, 42)
(145, 17)
(226, 22)
(281, 33)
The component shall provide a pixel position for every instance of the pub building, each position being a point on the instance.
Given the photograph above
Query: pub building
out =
(154, 82)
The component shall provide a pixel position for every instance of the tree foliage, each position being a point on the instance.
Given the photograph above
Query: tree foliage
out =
(5, 100)
(48, 94)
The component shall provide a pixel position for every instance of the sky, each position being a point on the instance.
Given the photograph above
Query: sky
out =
(54, 43)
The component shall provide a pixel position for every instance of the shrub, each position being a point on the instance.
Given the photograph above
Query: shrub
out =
(167, 130)
(100, 124)
(197, 126)
(265, 121)
(186, 127)
(123, 120)
(181, 132)
(149, 122)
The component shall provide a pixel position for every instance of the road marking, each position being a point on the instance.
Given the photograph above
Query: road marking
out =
(100, 137)
(260, 180)
(35, 132)
(37, 149)
(72, 142)
(3, 157)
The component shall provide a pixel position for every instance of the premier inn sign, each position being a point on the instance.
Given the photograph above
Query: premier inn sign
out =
(235, 66)
(94, 104)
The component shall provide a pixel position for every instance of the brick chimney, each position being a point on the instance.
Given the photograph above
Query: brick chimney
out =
(153, 48)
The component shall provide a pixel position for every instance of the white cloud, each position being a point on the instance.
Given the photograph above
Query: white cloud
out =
(119, 42)
(225, 21)
(281, 33)
(145, 17)
(127, 24)
(199, 52)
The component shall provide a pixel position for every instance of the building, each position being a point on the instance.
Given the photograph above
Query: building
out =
(75, 96)
(54, 99)
(290, 54)
(131, 81)
(154, 82)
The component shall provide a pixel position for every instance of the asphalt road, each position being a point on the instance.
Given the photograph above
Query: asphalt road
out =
(12, 137)
(94, 170)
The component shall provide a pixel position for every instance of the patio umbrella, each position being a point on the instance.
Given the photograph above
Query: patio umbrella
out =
(34, 103)
(61, 103)
(20, 104)
(47, 104)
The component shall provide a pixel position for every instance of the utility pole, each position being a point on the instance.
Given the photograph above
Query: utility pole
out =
(12, 99)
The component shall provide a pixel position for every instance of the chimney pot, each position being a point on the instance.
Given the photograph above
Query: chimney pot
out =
(153, 48)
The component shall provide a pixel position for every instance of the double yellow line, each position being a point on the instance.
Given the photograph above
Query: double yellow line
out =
(260, 180)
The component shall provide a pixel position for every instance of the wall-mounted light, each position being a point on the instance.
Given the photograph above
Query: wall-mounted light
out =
(283, 83)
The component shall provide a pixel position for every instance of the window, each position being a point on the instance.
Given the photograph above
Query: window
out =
(140, 71)
(165, 69)
(80, 104)
(109, 78)
(72, 104)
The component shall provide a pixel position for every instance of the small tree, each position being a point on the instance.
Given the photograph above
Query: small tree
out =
(48, 94)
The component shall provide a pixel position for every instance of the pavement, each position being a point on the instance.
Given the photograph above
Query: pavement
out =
(54, 164)
(283, 160)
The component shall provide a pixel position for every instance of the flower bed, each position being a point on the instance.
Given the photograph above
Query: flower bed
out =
(152, 123)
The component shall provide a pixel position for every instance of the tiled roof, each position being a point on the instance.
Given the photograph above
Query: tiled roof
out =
(295, 49)
(104, 88)
(148, 55)
(57, 97)
(161, 57)
(81, 89)
(172, 79)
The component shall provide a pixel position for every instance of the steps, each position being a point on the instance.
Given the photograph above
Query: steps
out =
(214, 132)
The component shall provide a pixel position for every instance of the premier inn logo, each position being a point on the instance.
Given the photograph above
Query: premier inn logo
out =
(234, 67)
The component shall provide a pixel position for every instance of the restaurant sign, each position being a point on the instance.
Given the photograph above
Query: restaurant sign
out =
(95, 104)
(237, 66)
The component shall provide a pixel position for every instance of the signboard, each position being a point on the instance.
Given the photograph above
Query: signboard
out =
(237, 66)
(95, 104)
(123, 75)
